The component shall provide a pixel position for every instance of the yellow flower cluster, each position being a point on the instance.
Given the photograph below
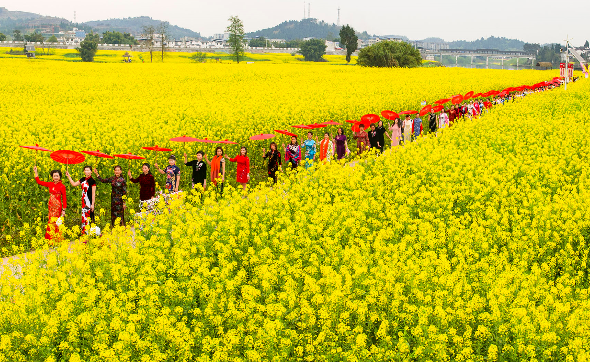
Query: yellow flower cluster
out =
(468, 246)
(119, 108)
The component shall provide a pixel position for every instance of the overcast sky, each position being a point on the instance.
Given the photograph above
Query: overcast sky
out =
(531, 21)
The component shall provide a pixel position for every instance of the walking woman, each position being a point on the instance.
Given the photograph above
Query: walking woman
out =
(147, 184)
(88, 197)
(274, 161)
(326, 148)
(293, 153)
(217, 168)
(57, 202)
(396, 132)
(310, 150)
(243, 172)
(341, 144)
(408, 124)
(118, 190)
(380, 135)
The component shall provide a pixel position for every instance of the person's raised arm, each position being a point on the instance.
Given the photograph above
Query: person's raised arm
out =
(37, 180)
(207, 160)
(77, 183)
(185, 159)
(159, 169)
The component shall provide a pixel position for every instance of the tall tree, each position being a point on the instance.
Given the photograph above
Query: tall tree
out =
(313, 50)
(17, 36)
(586, 44)
(163, 33)
(89, 47)
(34, 37)
(52, 39)
(349, 39)
(2, 37)
(148, 35)
(236, 37)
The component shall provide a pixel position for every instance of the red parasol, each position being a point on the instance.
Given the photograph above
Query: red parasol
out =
(157, 148)
(37, 149)
(97, 153)
(205, 140)
(129, 156)
(457, 99)
(438, 108)
(302, 126)
(493, 92)
(183, 139)
(443, 101)
(287, 133)
(468, 95)
(477, 95)
(425, 110)
(408, 112)
(331, 123)
(367, 119)
(316, 125)
(262, 136)
(67, 157)
(356, 127)
(390, 115)
(228, 142)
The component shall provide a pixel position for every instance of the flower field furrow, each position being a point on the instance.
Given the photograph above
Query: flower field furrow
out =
(119, 108)
(468, 246)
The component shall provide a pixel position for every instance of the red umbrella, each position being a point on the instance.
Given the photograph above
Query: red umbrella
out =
(36, 148)
(457, 99)
(332, 123)
(477, 95)
(157, 148)
(438, 108)
(205, 140)
(443, 101)
(67, 157)
(183, 139)
(97, 153)
(408, 112)
(390, 115)
(129, 156)
(302, 126)
(262, 136)
(468, 95)
(493, 92)
(228, 142)
(356, 127)
(287, 133)
(316, 125)
(425, 110)
(367, 119)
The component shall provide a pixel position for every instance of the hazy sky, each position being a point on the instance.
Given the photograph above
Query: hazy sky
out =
(531, 21)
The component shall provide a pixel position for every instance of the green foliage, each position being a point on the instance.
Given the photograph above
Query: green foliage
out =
(89, 47)
(257, 42)
(136, 25)
(17, 36)
(199, 57)
(34, 37)
(306, 28)
(586, 44)
(236, 37)
(2, 37)
(390, 54)
(349, 38)
(313, 50)
(531, 48)
(115, 37)
(52, 39)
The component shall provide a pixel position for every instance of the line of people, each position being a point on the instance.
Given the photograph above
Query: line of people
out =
(400, 131)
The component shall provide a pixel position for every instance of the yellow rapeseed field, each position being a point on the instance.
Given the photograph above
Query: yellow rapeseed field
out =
(119, 108)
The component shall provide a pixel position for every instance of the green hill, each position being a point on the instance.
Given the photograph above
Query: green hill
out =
(134, 26)
(306, 28)
(489, 43)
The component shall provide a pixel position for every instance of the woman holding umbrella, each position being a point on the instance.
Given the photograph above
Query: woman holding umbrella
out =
(88, 186)
(396, 132)
(217, 167)
(118, 190)
(147, 184)
(57, 202)
(341, 144)
(274, 161)
(293, 153)
(243, 172)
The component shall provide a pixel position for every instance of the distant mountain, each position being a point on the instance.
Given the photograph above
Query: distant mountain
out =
(489, 43)
(134, 26)
(26, 22)
(306, 28)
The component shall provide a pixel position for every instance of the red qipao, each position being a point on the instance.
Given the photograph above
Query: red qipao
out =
(57, 202)
(147, 185)
(243, 168)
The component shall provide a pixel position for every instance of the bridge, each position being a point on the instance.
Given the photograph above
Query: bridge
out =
(487, 53)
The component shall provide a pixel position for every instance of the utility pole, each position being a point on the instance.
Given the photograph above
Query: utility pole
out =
(567, 61)
(308, 10)
(338, 23)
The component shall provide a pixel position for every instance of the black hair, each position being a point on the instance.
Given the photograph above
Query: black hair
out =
(310, 132)
(399, 122)
(219, 148)
(372, 125)
(201, 153)
(148, 166)
(340, 129)
(327, 133)
(296, 143)
(119, 167)
(87, 167)
(244, 147)
(276, 147)
(362, 125)
(55, 171)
